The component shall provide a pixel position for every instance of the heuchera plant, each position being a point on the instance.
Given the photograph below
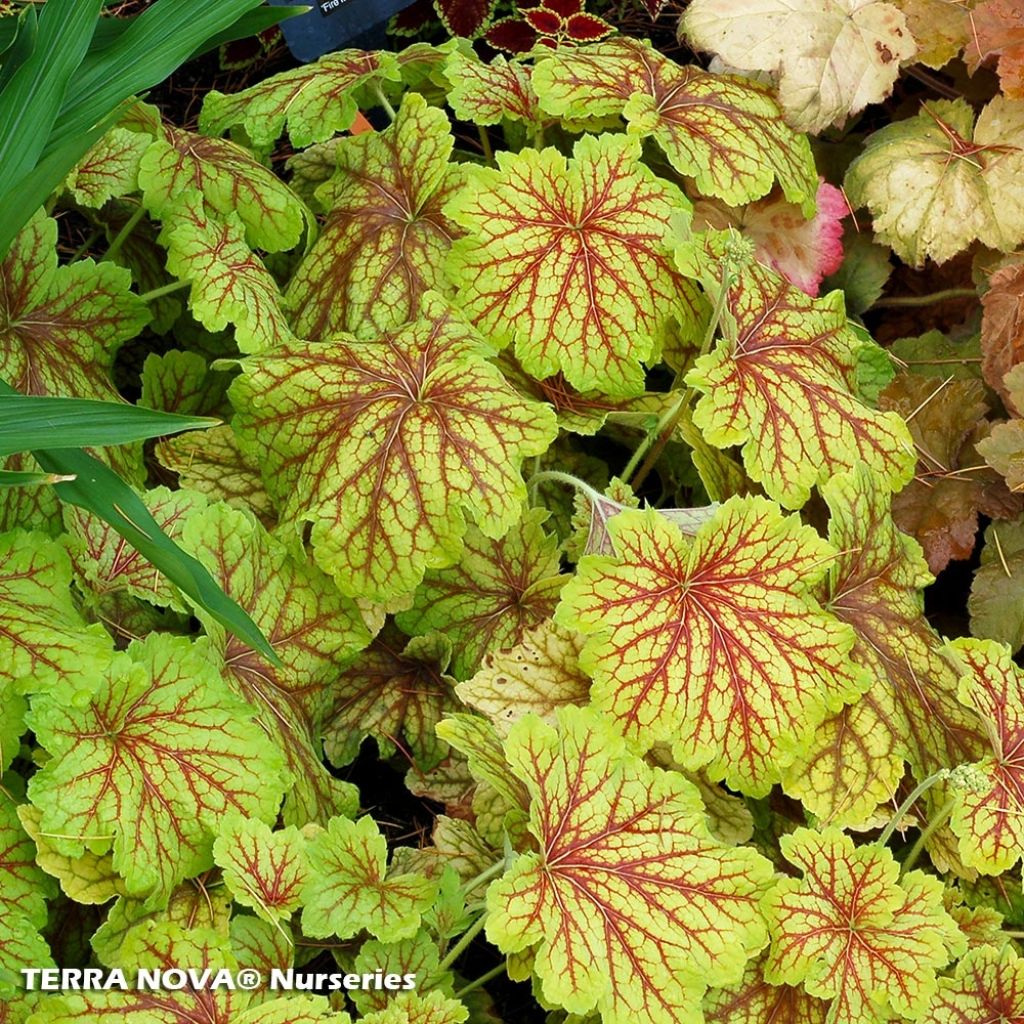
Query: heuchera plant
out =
(587, 522)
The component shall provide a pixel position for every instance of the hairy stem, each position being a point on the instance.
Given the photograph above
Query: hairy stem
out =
(383, 101)
(919, 790)
(911, 301)
(166, 289)
(122, 236)
(462, 945)
(936, 821)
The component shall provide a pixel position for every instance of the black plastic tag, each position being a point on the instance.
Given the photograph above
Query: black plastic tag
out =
(336, 24)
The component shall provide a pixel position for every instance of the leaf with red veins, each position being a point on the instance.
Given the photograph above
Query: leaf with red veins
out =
(852, 930)
(230, 179)
(109, 564)
(24, 886)
(491, 93)
(803, 251)
(396, 691)
(570, 259)
(714, 643)
(313, 630)
(230, 284)
(997, 30)
(940, 506)
(263, 869)
(110, 169)
(910, 715)
(631, 904)
(414, 1008)
(314, 101)
(988, 816)
(782, 382)
(495, 592)
(151, 763)
(60, 327)
(464, 19)
(988, 988)
(386, 446)
(727, 133)
(754, 1001)
(385, 240)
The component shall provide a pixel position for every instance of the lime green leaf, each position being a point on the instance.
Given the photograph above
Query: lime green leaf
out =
(61, 326)
(182, 382)
(230, 284)
(832, 59)
(314, 101)
(491, 93)
(413, 1008)
(417, 955)
(538, 675)
(24, 887)
(570, 258)
(988, 818)
(384, 243)
(263, 946)
(493, 593)
(12, 724)
(861, 278)
(44, 641)
(855, 760)
(230, 180)
(715, 644)
(396, 691)
(963, 175)
(110, 169)
(350, 890)
(849, 930)
(633, 907)
(782, 383)
(726, 133)
(311, 628)
(988, 986)
(754, 1001)
(419, 431)
(149, 765)
(263, 869)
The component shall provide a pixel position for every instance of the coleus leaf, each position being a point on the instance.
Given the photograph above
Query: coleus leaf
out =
(726, 133)
(385, 240)
(490, 93)
(752, 1000)
(715, 644)
(963, 172)
(314, 101)
(832, 59)
(988, 818)
(230, 284)
(782, 382)
(997, 29)
(148, 766)
(349, 888)
(632, 906)
(311, 628)
(263, 869)
(396, 691)
(231, 181)
(570, 258)
(855, 759)
(464, 19)
(496, 591)
(988, 986)
(421, 430)
(61, 326)
(849, 931)
(110, 169)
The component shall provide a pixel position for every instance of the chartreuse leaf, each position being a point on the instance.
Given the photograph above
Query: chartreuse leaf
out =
(631, 904)
(349, 889)
(12, 724)
(166, 946)
(988, 986)
(230, 284)
(855, 759)
(849, 931)
(396, 691)
(782, 382)
(61, 326)
(988, 818)
(311, 628)
(413, 1008)
(963, 173)
(570, 259)
(44, 641)
(491, 93)
(418, 431)
(263, 869)
(832, 58)
(314, 101)
(110, 169)
(752, 1000)
(493, 593)
(715, 644)
(148, 766)
(384, 243)
(726, 133)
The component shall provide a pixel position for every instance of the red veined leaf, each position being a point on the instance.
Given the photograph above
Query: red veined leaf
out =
(988, 986)
(489, 93)
(754, 1001)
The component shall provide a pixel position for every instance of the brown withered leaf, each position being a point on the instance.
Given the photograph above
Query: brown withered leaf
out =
(952, 483)
(1002, 328)
(997, 30)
